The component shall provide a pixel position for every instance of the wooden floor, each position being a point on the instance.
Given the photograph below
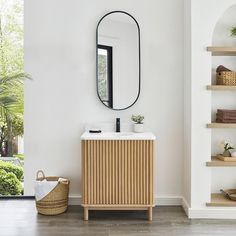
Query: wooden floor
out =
(19, 218)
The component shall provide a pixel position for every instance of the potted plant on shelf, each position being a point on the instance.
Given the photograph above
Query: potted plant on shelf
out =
(227, 147)
(138, 123)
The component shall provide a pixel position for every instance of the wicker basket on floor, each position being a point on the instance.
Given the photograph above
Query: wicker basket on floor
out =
(226, 78)
(56, 201)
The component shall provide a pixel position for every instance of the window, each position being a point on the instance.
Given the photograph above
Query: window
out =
(11, 98)
(105, 88)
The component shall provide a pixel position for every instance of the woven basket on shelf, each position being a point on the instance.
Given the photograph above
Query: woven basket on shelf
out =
(56, 201)
(226, 78)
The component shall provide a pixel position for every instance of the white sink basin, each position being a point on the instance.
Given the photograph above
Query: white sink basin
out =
(124, 133)
(118, 136)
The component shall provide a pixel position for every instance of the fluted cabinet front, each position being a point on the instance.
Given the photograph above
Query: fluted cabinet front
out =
(117, 174)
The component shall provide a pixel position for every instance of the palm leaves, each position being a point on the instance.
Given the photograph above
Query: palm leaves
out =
(11, 111)
(11, 58)
(10, 103)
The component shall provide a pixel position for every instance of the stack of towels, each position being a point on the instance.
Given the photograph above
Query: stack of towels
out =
(226, 116)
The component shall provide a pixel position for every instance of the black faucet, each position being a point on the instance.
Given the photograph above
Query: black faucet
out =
(117, 124)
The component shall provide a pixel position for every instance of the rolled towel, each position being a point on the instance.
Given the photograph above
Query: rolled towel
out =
(226, 111)
(63, 180)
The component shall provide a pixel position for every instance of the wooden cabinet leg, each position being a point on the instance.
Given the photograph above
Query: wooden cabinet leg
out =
(86, 213)
(150, 214)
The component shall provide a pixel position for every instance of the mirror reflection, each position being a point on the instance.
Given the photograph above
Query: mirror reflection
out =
(118, 60)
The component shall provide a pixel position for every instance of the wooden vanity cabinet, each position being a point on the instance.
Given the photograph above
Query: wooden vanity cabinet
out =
(117, 175)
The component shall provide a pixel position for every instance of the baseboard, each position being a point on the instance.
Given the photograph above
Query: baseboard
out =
(168, 200)
(158, 200)
(185, 206)
(208, 212)
(75, 200)
(212, 213)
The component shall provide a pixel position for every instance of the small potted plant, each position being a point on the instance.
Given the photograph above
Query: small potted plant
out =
(138, 123)
(227, 147)
(233, 31)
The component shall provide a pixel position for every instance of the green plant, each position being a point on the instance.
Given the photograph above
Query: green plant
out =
(11, 168)
(226, 145)
(9, 184)
(20, 156)
(137, 119)
(233, 31)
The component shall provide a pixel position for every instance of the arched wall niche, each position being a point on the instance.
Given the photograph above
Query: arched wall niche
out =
(221, 34)
(223, 179)
(222, 37)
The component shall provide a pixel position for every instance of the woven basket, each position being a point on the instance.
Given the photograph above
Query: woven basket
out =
(229, 193)
(56, 201)
(226, 78)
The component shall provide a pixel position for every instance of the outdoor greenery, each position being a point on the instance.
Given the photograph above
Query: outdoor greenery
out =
(20, 156)
(9, 184)
(11, 168)
(12, 77)
(102, 77)
(11, 74)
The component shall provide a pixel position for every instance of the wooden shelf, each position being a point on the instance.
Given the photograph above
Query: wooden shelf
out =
(221, 125)
(215, 162)
(218, 200)
(221, 88)
(222, 51)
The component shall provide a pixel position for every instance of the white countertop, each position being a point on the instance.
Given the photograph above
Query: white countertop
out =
(118, 136)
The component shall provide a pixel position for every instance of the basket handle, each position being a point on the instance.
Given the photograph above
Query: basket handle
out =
(63, 181)
(40, 172)
(227, 195)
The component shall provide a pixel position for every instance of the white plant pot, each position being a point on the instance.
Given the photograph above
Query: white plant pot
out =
(233, 154)
(138, 128)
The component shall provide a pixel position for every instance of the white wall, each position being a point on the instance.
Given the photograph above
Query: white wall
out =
(187, 105)
(61, 99)
(203, 18)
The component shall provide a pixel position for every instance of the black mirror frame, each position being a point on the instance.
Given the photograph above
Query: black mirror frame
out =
(139, 48)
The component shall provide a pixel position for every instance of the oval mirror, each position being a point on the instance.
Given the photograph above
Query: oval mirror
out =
(118, 60)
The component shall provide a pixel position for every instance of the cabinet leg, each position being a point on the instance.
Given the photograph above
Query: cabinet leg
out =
(150, 214)
(86, 213)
